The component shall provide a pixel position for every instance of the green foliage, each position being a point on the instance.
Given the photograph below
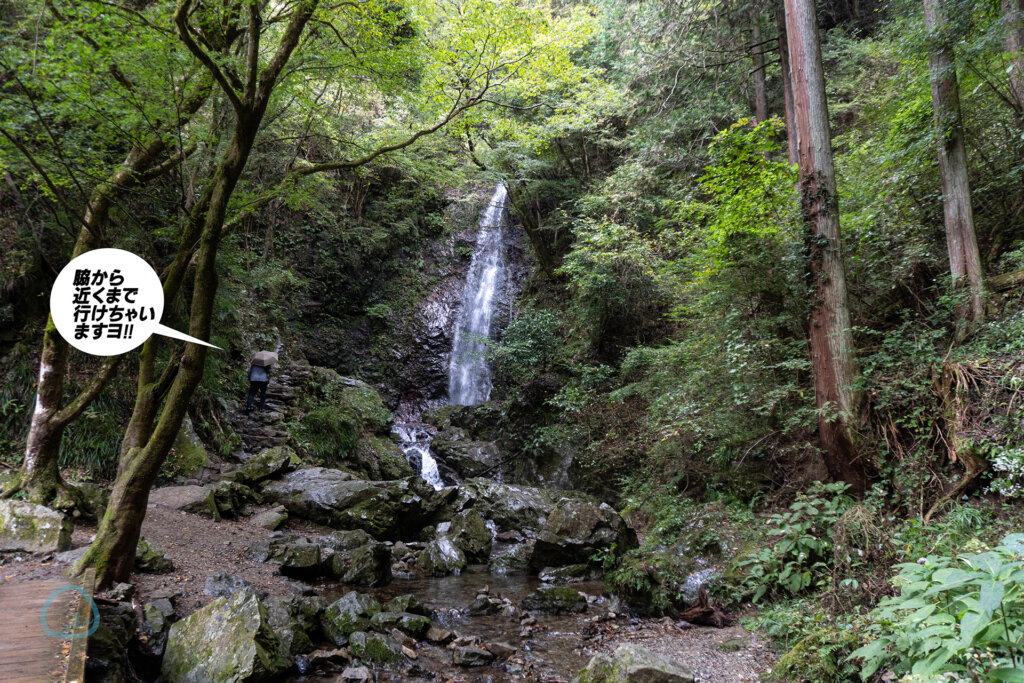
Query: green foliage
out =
(815, 646)
(801, 555)
(953, 614)
(528, 346)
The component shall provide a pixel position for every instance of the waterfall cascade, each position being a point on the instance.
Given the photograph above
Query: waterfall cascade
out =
(469, 378)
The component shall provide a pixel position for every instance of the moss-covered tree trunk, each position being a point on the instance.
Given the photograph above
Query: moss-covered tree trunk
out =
(839, 404)
(112, 552)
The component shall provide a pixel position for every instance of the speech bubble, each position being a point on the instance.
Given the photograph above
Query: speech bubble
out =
(109, 301)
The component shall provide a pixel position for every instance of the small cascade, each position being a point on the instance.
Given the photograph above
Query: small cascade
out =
(469, 378)
(415, 441)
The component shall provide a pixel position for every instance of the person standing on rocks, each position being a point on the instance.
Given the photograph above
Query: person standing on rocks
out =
(259, 378)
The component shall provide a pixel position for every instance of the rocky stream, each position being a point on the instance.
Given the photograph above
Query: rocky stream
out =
(428, 556)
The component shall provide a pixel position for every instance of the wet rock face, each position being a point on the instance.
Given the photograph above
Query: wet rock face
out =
(467, 457)
(441, 557)
(374, 647)
(389, 510)
(513, 560)
(510, 506)
(228, 640)
(352, 556)
(634, 664)
(575, 530)
(469, 533)
(32, 528)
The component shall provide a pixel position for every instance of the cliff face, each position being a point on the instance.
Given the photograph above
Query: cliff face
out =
(398, 336)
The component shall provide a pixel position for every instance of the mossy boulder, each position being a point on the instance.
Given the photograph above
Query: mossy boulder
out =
(407, 603)
(576, 530)
(634, 664)
(350, 613)
(441, 557)
(470, 534)
(268, 463)
(366, 562)
(468, 457)
(388, 510)
(374, 647)
(295, 622)
(414, 625)
(572, 573)
(33, 528)
(379, 457)
(511, 506)
(337, 412)
(151, 559)
(229, 640)
(554, 600)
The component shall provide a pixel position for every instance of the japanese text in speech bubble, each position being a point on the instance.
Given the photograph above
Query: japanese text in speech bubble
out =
(109, 301)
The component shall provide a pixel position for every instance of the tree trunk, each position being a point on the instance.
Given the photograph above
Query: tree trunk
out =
(787, 83)
(1013, 22)
(964, 257)
(112, 553)
(757, 56)
(839, 405)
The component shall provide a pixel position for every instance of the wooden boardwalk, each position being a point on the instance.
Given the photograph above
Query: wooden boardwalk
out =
(27, 653)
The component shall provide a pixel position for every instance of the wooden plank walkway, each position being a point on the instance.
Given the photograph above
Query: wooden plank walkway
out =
(27, 653)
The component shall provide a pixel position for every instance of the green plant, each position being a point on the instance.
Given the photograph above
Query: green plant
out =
(953, 614)
(802, 554)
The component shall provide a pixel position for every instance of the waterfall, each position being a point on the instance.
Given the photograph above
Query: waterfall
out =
(469, 378)
(415, 443)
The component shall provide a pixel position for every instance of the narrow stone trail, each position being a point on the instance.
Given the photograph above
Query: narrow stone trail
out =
(265, 428)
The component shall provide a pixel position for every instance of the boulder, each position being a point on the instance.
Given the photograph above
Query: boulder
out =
(389, 510)
(222, 585)
(470, 534)
(573, 573)
(513, 560)
(359, 559)
(350, 613)
(407, 603)
(576, 530)
(374, 647)
(158, 616)
(414, 625)
(270, 519)
(356, 674)
(268, 463)
(469, 655)
(233, 498)
(229, 639)
(634, 664)
(198, 500)
(510, 506)
(554, 600)
(33, 528)
(95, 498)
(381, 458)
(150, 559)
(467, 457)
(188, 455)
(441, 557)
(294, 622)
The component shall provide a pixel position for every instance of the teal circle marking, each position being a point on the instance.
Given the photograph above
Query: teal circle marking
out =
(94, 622)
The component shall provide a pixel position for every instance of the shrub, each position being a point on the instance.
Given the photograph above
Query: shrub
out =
(953, 614)
(802, 556)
